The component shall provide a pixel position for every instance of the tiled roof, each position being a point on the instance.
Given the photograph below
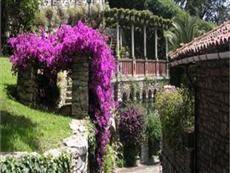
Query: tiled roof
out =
(218, 38)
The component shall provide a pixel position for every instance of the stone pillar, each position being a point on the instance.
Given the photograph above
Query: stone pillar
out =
(156, 52)
(156, 44)
(26, 86)
(145, 43)
(80, 79)
(133, 41)
(167, 59)
(118, 40)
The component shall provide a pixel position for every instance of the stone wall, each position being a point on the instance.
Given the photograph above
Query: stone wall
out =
(26, 86)
(212, 80)
(80, 80)
(178, 160)
(135, 90)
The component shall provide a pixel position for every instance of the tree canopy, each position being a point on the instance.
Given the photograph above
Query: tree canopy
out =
(210, 10)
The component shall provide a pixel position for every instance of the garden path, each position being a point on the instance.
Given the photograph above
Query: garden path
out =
(141, 169)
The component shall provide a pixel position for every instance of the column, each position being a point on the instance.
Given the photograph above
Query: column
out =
(121, 39)
(167, 59)
(26, 86)
(156, 51)
(133, 44)
(156, 44)
(145, 51)
(118, 42)
(80, 91)
(145, 43)
(133, 50)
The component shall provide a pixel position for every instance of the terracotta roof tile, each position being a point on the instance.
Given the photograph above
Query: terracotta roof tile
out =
(215, 39)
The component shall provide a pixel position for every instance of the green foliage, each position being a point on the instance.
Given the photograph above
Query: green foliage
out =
(184, 29)
(23, 128)
(209, 10)
(36, 164)
(40, 20)
(127, 17)
(16, 16)
(57, 16)
(130, 4)
(176, 114)
(91, 132)
(91, 129)
(153, 131)
(109, 159)
(165, 8)
(19, 15)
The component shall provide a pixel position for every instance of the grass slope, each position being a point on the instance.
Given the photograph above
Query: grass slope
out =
(23, 128)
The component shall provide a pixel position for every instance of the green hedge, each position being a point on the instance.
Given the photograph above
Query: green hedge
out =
(36, 164)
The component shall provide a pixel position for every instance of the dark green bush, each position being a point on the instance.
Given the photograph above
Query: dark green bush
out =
(36, 164)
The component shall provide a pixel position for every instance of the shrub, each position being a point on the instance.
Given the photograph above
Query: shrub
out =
(109, 159)
(36, 164)
(40, 19)
(91, 130)
(153, 131)
(176, 113)
(131, 132)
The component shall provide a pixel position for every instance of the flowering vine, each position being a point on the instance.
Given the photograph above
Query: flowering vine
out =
(54, 52)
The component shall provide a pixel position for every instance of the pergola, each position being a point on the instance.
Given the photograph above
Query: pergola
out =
(132, 20)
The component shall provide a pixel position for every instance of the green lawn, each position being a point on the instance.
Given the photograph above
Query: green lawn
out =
(23, 128)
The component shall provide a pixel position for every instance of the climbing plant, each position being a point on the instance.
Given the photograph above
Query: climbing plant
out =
(55, 52)
(126, 17)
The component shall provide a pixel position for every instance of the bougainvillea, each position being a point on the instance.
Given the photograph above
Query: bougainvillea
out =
(131, 128)
(55, 51)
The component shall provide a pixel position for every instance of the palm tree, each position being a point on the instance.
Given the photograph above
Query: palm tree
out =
(185, 28)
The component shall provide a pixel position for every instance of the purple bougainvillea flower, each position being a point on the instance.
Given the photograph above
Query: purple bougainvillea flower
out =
(54, 52)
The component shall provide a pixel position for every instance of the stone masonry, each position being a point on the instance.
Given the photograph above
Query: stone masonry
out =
(212, 80)
(26, 86)
(80, 80)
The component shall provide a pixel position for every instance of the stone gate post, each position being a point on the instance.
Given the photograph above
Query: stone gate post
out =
(80, 80)
(26, 86)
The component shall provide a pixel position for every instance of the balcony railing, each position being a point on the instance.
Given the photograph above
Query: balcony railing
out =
(141, 67)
